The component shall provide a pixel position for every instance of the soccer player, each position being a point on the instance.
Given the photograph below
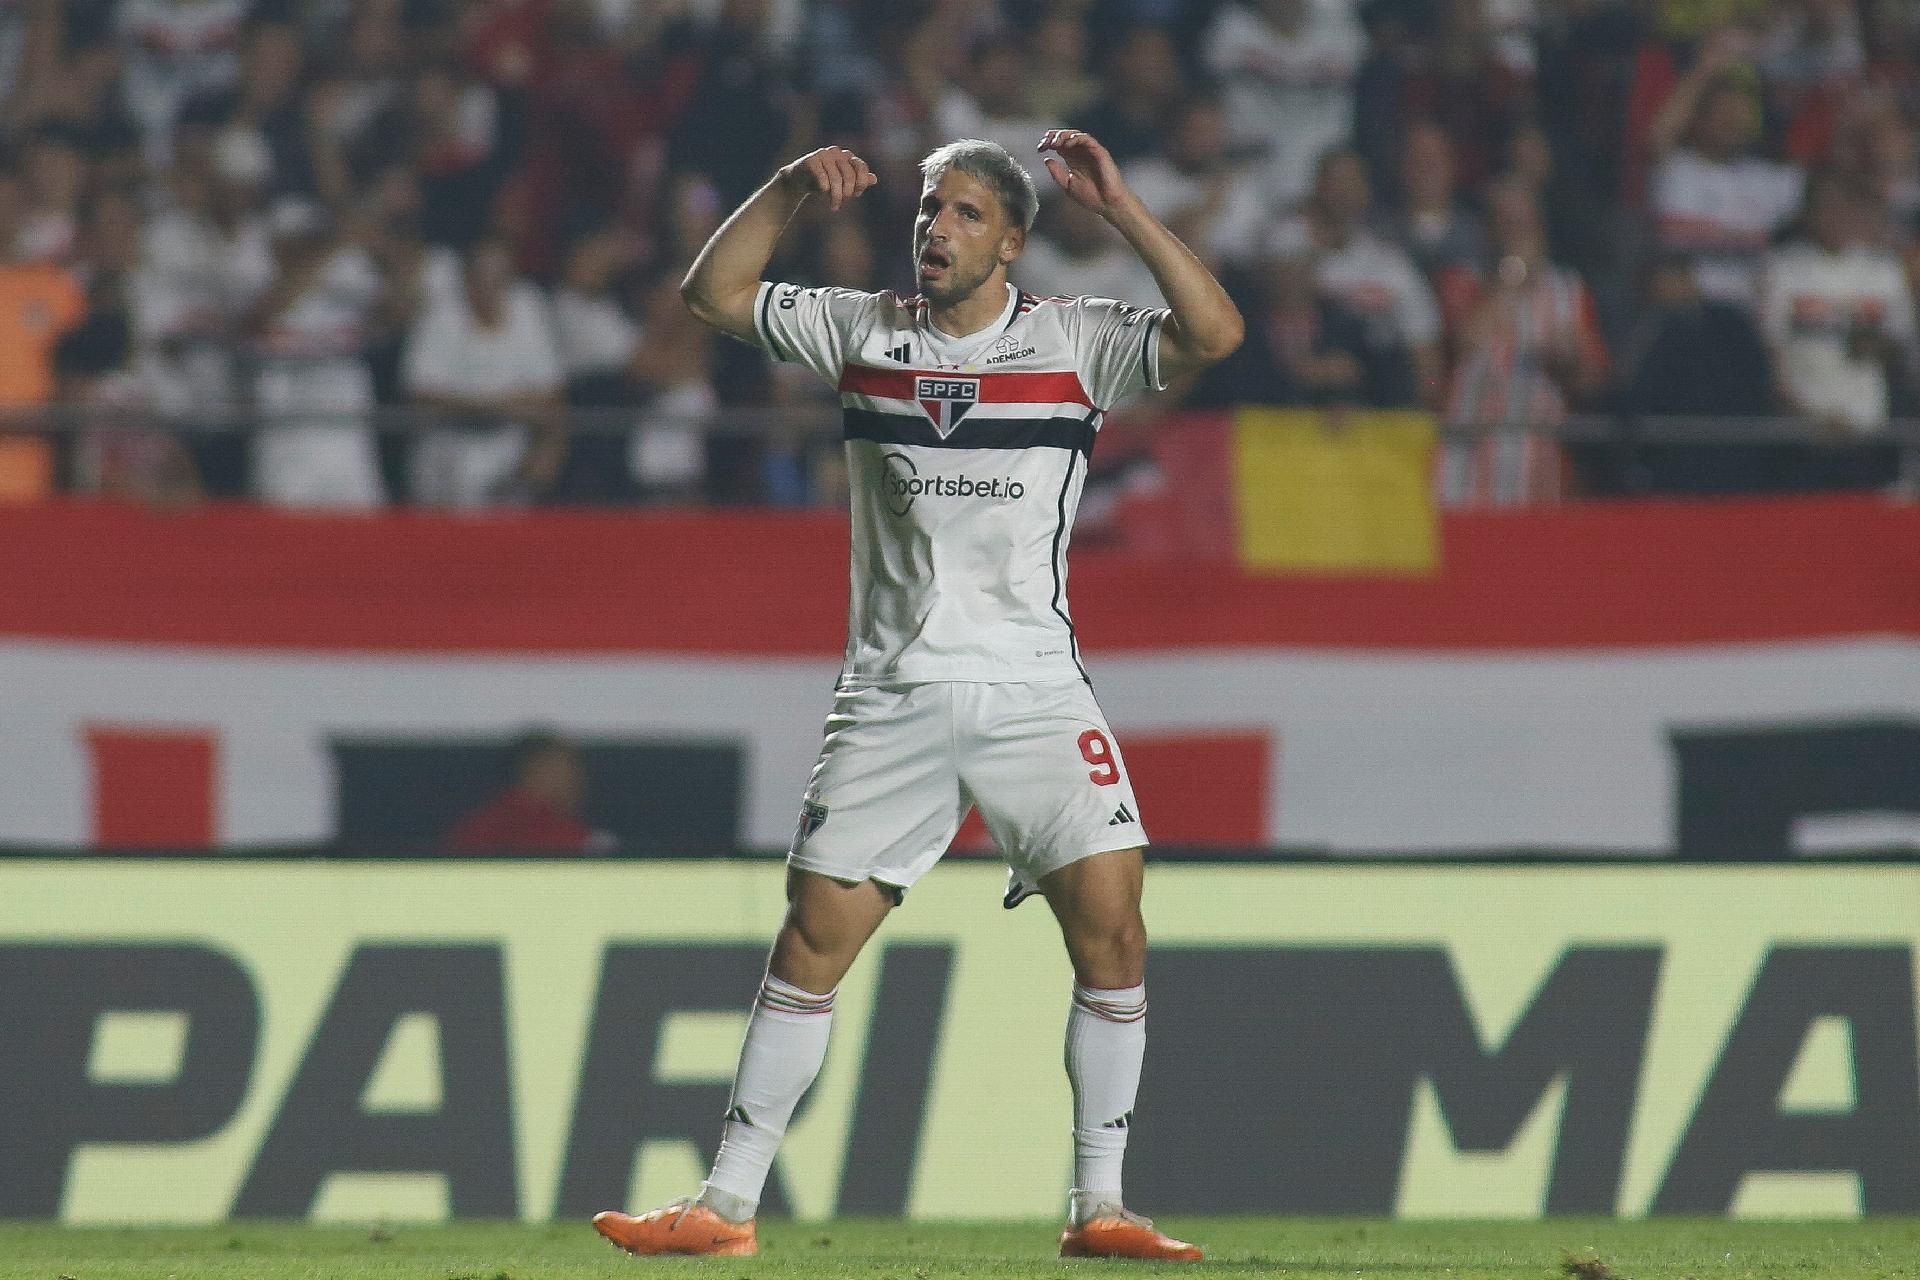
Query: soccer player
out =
(970, 413)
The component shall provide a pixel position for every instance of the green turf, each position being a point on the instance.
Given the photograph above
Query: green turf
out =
(1707, 1249)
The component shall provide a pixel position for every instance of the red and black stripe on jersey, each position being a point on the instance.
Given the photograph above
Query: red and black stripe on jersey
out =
(1063, 415)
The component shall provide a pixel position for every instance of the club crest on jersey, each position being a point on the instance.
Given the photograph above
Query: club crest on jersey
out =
(946, 400)
(813, 816)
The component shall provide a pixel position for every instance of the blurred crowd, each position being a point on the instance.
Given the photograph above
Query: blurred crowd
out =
(1503, 211)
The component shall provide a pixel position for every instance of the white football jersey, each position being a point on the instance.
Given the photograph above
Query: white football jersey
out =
(965, 458)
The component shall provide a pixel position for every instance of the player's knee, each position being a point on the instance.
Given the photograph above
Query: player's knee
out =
(1118, 944)
(1130, 941)
(820, 931)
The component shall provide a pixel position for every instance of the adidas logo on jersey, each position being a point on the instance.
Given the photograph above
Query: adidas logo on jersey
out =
(902, 354)
(1120, 817)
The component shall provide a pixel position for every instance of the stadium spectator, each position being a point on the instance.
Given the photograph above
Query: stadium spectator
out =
(1694, 356)
(992, 102)
(1461, 76)
(1372, 277)
(1811, 58)
(1055, 47)
(841, 35)
(54, 175)
(1839, 313)
(1143, 83)
(743, 105)
(1219, 207)
(368, 78)
(412, 272)
(1529, 349)
(456, 134)
(311, 382)
(206, 258)
(1073, 251)
(1691, 355)
(485, 360)
(1439, 230)
(174, 50)
(76, 88)
(538, 811)
(265, 102)
(38, 301)
(108, 249)
(418, 128)
(1577, 223)
(1288, 67)
(122, 453)
(1713, 196)
(1877, 149)
(593, 333)
(1305, 348)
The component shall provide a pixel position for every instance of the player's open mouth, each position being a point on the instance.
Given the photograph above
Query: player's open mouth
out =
(934, 263)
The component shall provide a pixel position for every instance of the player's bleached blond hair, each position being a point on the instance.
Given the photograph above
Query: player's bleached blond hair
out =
(989, 163)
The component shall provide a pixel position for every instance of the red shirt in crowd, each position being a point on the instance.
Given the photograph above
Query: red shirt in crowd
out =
(515, 822)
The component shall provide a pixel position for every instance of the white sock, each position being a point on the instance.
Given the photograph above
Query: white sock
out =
(1106, 1040)
(785, 1045)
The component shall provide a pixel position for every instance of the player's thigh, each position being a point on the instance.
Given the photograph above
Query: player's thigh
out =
(884, 799)
(1047, 774)
(1096, 901)
(828, 922)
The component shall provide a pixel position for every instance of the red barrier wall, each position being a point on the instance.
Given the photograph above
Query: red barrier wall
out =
(1650, 573)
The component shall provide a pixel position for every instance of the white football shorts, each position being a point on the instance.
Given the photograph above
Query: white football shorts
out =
(902, 764)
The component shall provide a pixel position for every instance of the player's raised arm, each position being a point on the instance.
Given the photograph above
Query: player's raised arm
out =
(723, 280)
(1204, 326)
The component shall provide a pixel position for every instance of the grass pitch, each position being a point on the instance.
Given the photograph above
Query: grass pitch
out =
(1557, 1249)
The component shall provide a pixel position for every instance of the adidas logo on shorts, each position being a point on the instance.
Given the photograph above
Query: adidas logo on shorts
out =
(1120, 817)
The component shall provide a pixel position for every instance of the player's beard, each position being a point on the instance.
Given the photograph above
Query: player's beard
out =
(957, 287)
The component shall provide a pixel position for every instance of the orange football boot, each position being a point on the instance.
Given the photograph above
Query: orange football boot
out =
(681, 1227)
(1112, 1232)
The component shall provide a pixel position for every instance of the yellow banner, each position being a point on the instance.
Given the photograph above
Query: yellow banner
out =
(185, 1042)
(1335, 492)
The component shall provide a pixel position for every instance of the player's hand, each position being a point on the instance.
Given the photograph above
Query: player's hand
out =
(833, 172)
(1085, 170)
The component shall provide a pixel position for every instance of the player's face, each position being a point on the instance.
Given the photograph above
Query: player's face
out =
(961, 237)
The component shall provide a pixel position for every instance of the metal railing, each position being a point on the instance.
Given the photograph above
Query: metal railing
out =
(820, 421)
(1590, 428)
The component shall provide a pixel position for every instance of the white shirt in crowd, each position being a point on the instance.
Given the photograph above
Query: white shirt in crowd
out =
(593, 332)
(174, 50)
(195, 283)
(1373, 278)
(1811, 303)
(450, 353)
(313, 384)
(441, 279)
(192, 271)
(958, 116)
(1723, 212)
(1237, 227)
(1291, 95)
(1115, 271)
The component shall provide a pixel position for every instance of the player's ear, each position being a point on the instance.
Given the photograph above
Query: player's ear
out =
(1012, 244)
